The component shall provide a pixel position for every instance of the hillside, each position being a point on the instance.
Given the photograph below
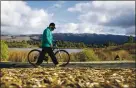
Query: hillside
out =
(85, 38)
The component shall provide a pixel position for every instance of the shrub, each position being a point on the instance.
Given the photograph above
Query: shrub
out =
(102, 56)
(73, 57)
(123, 54)
(4, 51)
(87, 55)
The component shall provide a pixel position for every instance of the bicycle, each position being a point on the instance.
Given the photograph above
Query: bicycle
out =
(62, 56)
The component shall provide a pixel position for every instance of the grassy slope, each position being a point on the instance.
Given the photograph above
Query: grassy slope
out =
(126, 52)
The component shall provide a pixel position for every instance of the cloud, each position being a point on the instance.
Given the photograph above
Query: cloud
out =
(107, 15)
(67, 28)
(101, 17)
(17, 18)
(131, 31)
(77, 28)
(124, 19)
(58, 4)
(80, 7)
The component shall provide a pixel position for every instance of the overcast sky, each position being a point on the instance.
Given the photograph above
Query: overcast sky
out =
(100, 17)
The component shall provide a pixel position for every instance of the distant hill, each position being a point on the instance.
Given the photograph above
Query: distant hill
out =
(85, 37)
(91, 38)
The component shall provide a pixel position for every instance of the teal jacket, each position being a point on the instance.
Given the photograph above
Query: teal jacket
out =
(47, 38)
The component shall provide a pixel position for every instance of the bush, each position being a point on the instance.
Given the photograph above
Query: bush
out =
(90, 55)
(123, 54)
(103, 56)
(86, 55)
(108, 55)
(4, 51)
(73, 57)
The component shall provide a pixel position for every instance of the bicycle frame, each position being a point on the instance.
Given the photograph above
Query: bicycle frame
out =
(56, 47)
(57, 51)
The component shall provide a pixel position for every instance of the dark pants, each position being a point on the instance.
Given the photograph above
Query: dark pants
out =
(50, 53)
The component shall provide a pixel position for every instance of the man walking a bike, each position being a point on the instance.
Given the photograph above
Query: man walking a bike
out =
(47, 45)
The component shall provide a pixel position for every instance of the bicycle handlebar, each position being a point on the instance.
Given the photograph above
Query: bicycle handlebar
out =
(55, 44)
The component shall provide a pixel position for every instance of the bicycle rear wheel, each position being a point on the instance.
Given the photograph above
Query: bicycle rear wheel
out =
(33, 56)
(63, 57)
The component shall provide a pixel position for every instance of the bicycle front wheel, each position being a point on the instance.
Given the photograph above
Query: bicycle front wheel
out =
(33, 56)
(63, 57)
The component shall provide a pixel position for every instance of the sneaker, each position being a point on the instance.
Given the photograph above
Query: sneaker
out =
(58, 65)
(37, 66)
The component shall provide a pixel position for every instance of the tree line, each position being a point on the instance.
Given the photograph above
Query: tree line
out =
(62, 44)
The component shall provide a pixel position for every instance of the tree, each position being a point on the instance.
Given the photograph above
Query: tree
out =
(130, 39)
(4, 51)
(110, 43)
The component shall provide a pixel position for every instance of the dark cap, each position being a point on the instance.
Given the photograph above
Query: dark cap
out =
(52, 24)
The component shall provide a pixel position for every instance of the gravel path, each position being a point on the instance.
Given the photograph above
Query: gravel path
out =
(93, 64)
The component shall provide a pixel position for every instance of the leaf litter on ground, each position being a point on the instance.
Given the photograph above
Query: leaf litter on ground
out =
(67, 78)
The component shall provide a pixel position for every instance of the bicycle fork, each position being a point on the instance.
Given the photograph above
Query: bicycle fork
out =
(59, 54)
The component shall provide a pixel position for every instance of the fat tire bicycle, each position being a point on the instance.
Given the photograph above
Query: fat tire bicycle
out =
(62, 56)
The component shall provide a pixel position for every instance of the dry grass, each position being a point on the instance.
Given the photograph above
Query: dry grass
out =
(110, 55)
(125, 52)
(18, 56)
(21, 56)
